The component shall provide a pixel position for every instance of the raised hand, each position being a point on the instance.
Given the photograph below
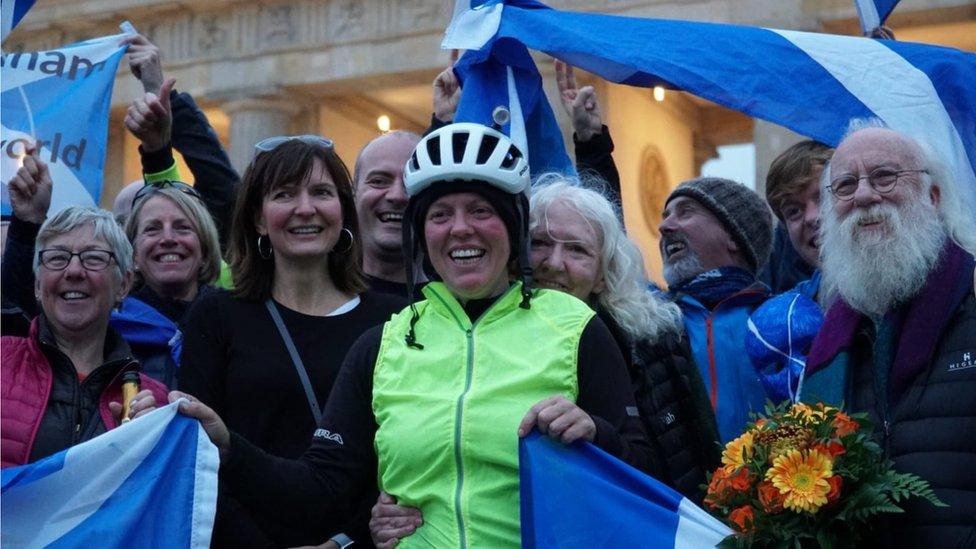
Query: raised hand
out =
(447, 92)
(145, 63)
(30, 188)
(150, 118)
(580, 103)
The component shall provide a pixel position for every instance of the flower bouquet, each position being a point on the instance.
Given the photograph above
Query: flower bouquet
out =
(806, 476)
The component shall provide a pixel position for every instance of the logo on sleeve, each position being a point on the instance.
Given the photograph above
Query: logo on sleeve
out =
(324, 433)
(967, 360)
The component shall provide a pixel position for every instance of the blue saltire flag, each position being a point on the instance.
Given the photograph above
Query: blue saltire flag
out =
(811, 83)
(504, 74)
(60, 99)
(143, 326)
(580, 496)
(151, 482)
(873, 13)
(11, 12)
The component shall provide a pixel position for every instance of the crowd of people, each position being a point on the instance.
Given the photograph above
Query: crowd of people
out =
(365, 349)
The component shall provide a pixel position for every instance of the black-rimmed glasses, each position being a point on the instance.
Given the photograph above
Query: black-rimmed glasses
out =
(150, 188)
(92, 260)
(273, 143)
(881, 180)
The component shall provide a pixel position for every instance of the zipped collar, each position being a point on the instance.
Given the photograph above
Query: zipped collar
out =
(442, 301)
(118, 356)
(753, 293)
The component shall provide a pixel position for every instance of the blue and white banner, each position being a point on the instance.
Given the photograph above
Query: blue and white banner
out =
(581, 496)
(873, 13)
(60, 100)
(151, 482)
(504, 74)
(11, 12)
(811, 83)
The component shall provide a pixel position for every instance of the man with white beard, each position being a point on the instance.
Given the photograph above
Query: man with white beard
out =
(900, 342)
(716, 234)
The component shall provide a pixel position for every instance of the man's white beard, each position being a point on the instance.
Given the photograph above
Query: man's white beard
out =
(874, 270)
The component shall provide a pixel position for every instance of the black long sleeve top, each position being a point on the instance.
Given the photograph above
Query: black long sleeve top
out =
(341, 459)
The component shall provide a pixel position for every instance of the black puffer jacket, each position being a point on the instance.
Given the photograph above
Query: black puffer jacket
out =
(931, 432)
(914, 373)
(674, 408)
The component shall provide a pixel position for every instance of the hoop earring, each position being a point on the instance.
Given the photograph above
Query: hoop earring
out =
(349, 247)
(265, 255)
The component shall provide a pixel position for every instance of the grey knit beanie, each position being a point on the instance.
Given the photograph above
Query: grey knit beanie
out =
(743, 213)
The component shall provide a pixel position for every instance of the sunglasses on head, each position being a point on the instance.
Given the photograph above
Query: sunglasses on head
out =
(151, 188)
(272, 143)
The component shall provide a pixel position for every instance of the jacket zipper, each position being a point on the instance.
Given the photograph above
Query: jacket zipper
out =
(458, 462)
(712, 366)
(459, 414)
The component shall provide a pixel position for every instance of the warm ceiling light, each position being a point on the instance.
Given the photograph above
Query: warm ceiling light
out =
(383, 123)
(658, 93)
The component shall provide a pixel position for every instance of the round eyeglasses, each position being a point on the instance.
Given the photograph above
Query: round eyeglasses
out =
(882, 180)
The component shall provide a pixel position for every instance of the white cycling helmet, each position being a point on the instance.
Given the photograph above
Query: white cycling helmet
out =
(467, 152)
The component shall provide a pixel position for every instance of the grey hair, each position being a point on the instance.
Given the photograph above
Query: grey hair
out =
(104, 226)
(639, 312)
(954, 208)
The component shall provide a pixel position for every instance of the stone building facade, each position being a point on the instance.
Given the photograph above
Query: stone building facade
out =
(261, 68)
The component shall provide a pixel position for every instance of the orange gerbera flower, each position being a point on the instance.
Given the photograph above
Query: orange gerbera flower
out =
(844, 425)
(770, 497)
(737, 452)
(802, 477)
(742, 518)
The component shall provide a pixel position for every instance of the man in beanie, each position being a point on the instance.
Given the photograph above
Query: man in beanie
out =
(715, 237)
(899, 343)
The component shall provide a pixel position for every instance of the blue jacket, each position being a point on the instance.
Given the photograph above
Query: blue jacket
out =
(717, 340)
(811, 286)
(155, 340)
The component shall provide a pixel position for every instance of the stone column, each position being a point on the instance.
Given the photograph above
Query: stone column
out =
(771, 140)
(254, 119)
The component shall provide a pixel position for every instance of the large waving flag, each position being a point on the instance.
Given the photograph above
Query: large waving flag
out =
(811, 83)
(149, 483)
(873, 13)
(59, 99)
(580, 496)
(11, 12)
(504, 75)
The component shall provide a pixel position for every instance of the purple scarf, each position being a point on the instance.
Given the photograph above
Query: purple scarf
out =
(925, 319)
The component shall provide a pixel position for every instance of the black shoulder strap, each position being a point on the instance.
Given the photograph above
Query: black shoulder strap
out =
(313, 402)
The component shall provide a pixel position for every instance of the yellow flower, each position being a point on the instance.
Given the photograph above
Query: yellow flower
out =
(807, 414)
(802, 477)
(737, 452)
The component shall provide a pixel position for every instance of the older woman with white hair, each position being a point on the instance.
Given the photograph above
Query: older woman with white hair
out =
(63, 382)
(579, 247)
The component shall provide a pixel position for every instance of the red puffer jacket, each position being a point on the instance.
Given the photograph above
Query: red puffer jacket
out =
(27, 381)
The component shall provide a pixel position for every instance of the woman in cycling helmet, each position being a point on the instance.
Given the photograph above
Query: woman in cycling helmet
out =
(432, 403)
